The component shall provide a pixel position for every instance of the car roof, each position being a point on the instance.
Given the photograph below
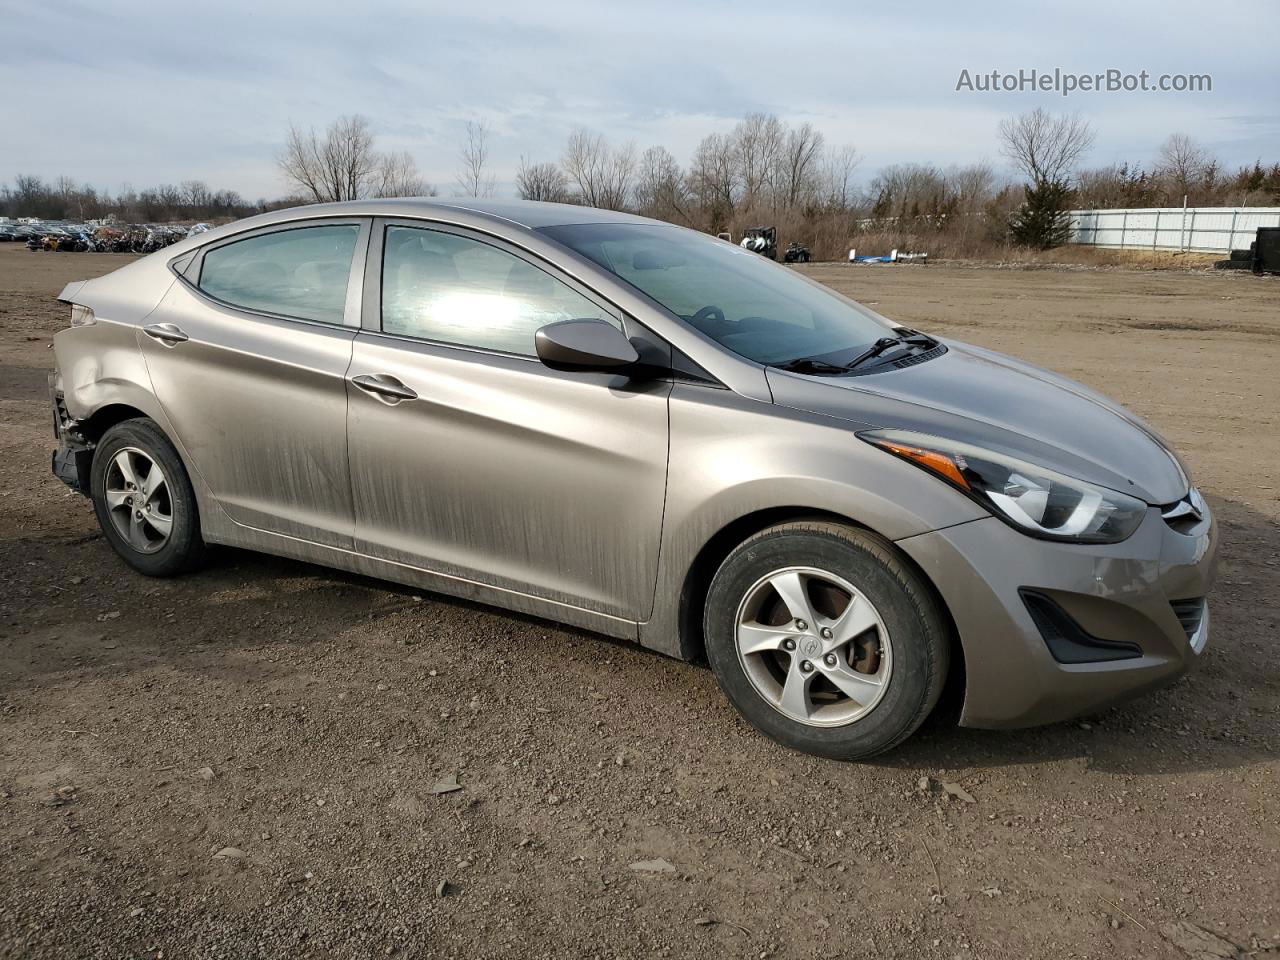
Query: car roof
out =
(525, 213)
(520, 214)
(537, 213)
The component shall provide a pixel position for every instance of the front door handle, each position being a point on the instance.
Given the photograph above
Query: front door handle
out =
(385, 387)
(167, 333)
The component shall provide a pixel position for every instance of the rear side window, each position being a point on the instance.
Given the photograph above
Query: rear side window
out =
(302, 272)
(452, 289)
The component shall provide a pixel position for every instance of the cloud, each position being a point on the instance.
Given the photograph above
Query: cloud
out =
(153, 92)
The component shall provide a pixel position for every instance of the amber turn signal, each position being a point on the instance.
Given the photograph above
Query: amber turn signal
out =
(941, 464)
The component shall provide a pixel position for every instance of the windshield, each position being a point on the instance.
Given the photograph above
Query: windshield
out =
(757, 309)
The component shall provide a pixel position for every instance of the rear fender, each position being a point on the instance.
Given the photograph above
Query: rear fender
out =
(101, 366)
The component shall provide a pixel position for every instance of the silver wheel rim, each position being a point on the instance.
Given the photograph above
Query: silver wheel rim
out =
(138, 500)
(813, 646)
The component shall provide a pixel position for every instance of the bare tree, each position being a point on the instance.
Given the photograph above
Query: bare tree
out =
(582, 161)
(541, 181)
(196, 193)
(660, 186)
(837, 178)
(71, 197)
(797, 165)
(971, 189)
(619, 171)
(474, 179)
(758, 141)
(713, 177)
(1046, 148)
(601, 173)
(338, 167)
(1115, 185)
(914, 193)
(398, 176)
(1185, 165)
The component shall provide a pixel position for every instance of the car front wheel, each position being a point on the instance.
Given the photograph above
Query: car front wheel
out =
(144, 501)
(825, 639)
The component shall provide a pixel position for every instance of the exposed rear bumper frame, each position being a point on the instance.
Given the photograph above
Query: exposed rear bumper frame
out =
(73, 456)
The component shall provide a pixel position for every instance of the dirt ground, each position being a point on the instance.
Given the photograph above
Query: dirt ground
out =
(611, 802)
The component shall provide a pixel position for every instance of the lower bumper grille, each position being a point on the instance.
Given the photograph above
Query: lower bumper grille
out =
(1192, 614)
(1067, 641)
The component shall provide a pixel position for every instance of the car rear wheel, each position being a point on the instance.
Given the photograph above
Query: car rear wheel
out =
(144, 501)
(825, 639)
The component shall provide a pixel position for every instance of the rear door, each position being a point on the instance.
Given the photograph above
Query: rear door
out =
(248, 356)
(472, 459)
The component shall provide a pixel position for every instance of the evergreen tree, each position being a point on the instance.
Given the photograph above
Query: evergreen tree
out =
(1043, 220)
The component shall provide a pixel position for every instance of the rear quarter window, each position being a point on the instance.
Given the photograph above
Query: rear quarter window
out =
(301, 272)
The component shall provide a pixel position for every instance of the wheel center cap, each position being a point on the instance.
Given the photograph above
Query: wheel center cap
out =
(810, 646)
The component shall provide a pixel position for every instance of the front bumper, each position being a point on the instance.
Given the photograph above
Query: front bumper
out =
(1140, 592)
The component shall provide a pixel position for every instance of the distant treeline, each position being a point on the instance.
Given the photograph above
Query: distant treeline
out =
(763, 171)
(64, 199)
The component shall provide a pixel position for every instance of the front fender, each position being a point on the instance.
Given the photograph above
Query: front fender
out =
(732, 457)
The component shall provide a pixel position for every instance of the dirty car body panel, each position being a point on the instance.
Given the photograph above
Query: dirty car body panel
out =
(599, 499)
(258, 403)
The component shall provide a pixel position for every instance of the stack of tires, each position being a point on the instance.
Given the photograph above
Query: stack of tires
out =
(1263, 255)
(1239, 259)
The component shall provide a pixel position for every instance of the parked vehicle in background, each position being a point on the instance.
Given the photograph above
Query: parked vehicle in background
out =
(761, 240)
(634, 428)
(796, 253)
(83, 238)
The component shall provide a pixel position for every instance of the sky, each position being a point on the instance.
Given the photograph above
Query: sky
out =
(142, 93)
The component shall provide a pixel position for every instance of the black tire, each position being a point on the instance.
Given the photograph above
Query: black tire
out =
(184, 550)
(920, 637)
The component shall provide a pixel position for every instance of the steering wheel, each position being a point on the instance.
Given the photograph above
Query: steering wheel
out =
(709, 312)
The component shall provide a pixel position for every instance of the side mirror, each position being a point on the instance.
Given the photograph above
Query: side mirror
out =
(584, 345)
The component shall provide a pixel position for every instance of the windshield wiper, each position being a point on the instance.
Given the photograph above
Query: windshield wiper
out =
(810, 365)
(873, 351)
(909, 338)
(916, 337)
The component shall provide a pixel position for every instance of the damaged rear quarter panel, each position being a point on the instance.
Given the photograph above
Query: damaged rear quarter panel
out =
(101, 364)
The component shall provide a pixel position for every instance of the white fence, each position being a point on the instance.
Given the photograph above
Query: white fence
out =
(1201, 229)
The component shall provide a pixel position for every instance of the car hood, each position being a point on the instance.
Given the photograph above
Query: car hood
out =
(990, 400)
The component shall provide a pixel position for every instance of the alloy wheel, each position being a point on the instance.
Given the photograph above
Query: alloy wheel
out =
(138, 500)
(813, 646)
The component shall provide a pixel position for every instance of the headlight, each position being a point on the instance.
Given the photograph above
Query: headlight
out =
(1040, 502)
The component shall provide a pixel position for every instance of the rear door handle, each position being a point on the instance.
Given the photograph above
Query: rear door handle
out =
(167, 333)
(385, 387)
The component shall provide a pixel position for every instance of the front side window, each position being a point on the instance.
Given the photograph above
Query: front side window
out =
(300, 272)
(452, 289)
(756, 308)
